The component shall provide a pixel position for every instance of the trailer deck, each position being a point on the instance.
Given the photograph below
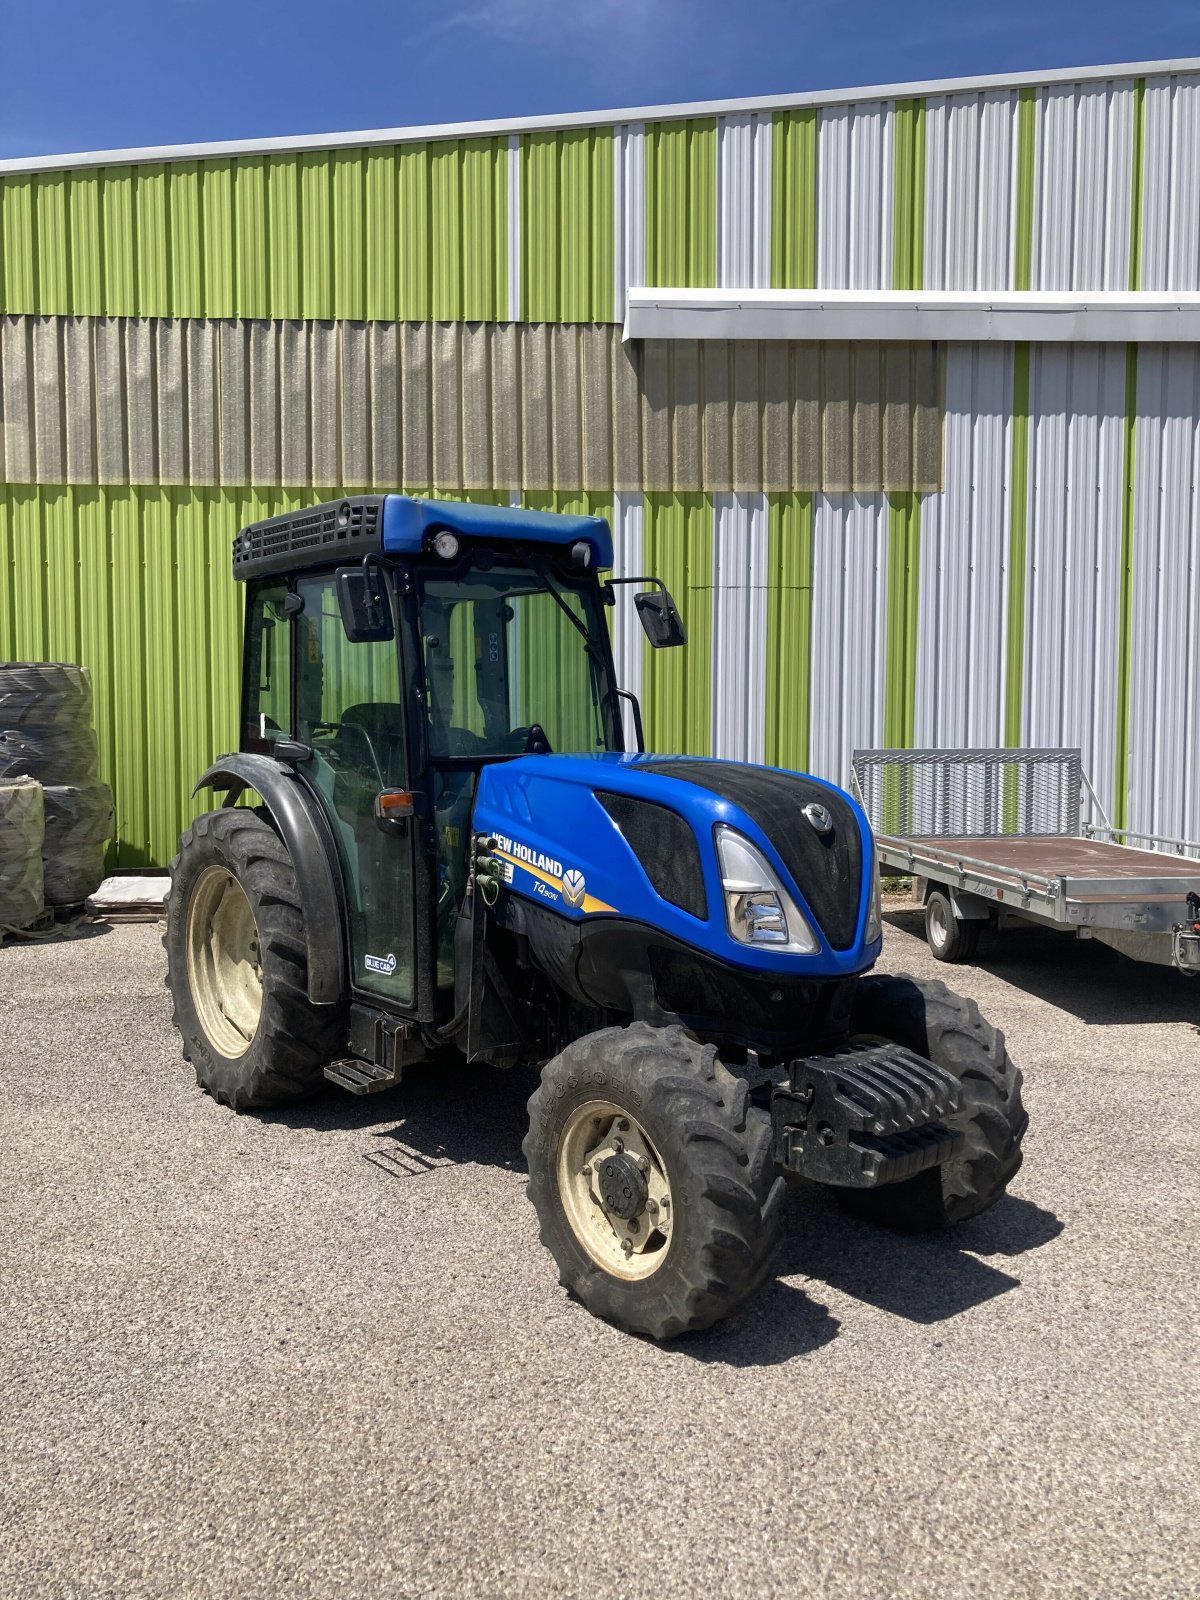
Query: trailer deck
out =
(999, 833)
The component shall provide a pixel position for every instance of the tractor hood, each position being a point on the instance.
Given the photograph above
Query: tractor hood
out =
(634, 837)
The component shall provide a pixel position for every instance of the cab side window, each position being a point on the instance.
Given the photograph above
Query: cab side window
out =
(268, 668)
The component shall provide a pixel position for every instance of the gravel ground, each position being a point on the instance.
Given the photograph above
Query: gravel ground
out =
(322, 1352)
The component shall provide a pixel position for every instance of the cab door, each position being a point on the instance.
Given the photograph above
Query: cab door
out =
(350, 713)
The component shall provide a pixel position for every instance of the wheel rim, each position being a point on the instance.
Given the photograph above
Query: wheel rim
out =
(224, 961)
(615, 1191)
(938, 929)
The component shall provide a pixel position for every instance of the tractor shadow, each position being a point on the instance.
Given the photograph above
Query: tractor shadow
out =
(1084, 978)
(447, 1113)
(923, 1279)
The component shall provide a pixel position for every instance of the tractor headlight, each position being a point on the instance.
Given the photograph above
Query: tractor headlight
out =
(758, 909)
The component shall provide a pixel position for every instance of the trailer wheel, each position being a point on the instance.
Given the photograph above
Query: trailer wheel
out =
(950, 937)
(652, 1179)
(237, 967)
(947, 1029)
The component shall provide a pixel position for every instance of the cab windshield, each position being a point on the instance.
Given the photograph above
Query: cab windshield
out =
(509, 649)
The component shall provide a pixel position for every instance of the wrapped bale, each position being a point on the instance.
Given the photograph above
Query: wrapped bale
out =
(22, 828)
(79, 823)
(44, 694)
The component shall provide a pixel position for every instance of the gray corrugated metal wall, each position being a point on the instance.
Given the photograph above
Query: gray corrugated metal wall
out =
(456, 405)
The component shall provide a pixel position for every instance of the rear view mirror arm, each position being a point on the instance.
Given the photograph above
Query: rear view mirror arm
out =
(655, 583)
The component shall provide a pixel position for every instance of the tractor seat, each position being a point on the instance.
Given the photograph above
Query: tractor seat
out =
(383, 724)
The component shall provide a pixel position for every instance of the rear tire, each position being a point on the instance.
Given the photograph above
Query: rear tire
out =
(53, 753)
(220, 967)
(948, 1030)
(949, 937)
(43, 694)
(22, 830)
(79, 823)
(706, 1147)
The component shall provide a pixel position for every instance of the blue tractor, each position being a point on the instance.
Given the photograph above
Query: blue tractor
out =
(453, 848)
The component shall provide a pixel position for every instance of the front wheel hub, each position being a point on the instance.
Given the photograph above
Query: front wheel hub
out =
(615, 1190)
(623, 1187)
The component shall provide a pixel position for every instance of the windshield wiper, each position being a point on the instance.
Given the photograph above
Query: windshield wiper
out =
(580, 627)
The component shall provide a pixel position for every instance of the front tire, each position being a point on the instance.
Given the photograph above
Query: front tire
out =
(652, 1179)
(237, 965)
(947, 1029)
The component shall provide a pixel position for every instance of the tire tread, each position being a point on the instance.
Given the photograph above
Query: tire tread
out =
(295, 1039)
(724, 1146)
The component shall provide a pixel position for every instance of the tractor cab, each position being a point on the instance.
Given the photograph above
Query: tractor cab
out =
(394, 647)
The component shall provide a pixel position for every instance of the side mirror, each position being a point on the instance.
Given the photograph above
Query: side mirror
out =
(661, 621)
(362, 601)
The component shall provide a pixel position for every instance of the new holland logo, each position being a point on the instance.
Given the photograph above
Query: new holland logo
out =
(819, 817)
(550, 880)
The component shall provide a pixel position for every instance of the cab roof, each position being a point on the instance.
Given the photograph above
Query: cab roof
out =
(399, 524)
(408, 524)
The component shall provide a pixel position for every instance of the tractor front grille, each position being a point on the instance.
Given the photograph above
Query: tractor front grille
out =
(338, 530)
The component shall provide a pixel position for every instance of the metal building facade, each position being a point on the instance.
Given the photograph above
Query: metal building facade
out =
(930, 541)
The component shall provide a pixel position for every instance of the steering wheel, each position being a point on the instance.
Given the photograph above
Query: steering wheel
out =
(531, 741)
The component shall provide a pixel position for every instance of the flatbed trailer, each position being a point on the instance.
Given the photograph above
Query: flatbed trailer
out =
(994, 837)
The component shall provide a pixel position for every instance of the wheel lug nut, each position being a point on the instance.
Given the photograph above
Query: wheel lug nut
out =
(627, 1246)
(618, 1145)
(586, 1171)
(652, 1207)
(643, 1164)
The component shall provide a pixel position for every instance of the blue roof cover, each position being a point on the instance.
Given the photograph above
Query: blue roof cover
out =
(407, 524)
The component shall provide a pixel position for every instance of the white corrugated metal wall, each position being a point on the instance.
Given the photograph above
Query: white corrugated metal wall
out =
(1165, 668)
(849, 628)
(964, 558)
(1037, 189)
(1073, 566)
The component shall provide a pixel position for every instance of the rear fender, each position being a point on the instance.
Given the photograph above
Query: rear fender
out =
(300, 826)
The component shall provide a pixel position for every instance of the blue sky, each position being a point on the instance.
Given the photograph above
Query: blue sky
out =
(85, 75)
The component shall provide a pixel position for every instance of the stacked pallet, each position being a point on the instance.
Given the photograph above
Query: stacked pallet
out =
(55, 813)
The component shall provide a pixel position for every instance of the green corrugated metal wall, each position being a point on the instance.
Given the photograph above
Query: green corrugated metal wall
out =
(794, 200)
(567, 226)
(908, 188)
(135, 583)
(678, 683)
(681, 203)
(395, 233)
(291, 236)
(789, 629)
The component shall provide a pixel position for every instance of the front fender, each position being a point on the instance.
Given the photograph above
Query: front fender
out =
(300, 826)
